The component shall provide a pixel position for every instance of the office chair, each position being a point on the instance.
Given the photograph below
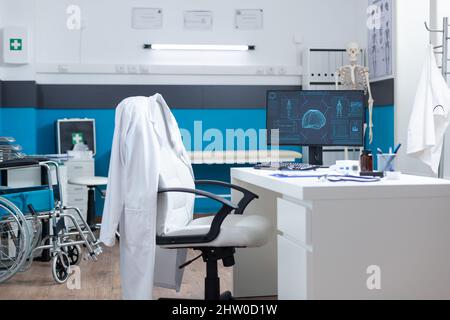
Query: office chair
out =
(216, 237)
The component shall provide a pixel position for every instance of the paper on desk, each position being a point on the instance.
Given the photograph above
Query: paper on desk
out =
(306, 175)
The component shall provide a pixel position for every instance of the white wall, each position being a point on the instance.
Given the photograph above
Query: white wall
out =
(108, 38)
(361, 18)
(442, 9)
(2, 18)
(411, 45)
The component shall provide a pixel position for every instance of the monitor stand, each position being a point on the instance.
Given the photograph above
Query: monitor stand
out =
(316, 156)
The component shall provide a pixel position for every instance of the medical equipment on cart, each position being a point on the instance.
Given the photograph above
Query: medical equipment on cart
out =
(9, 150)
(24, 212)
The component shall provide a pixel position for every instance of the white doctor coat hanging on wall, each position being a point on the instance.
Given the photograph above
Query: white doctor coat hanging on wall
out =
(430, 116)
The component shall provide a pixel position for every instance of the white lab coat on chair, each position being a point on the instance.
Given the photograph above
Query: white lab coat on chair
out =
(430, 116)
(143, 126)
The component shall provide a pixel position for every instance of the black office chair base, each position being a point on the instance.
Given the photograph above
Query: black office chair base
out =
(226, 296)
(212, 281)
(212, 256)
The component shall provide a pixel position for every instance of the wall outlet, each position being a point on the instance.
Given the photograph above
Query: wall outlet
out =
(144, 68)
(270, 70)
(120, 68)
(132, 68)
(282, 71)
(260, 71)
(62, 68)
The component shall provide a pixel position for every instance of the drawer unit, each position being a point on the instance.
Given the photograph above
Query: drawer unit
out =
(294, 221)
(77, 196)
(293, 261)
(78, 200)
(77, 168)
(76, 190)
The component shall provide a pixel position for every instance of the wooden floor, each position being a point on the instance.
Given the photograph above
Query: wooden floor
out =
(101, 280)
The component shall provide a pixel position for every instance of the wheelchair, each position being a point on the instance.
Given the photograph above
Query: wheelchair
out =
(34, 219)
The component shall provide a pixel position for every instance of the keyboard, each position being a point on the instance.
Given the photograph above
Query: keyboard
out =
(286, 166)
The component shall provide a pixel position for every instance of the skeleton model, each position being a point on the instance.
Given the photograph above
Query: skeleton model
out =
(356, 77)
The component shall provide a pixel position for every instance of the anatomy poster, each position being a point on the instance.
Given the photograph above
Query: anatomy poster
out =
(380, 31)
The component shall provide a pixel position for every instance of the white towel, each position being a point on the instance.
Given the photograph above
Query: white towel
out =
(430, 115)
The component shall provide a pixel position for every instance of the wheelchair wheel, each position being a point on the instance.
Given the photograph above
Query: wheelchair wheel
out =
(74, 254)
(61, 267)
(15, 239)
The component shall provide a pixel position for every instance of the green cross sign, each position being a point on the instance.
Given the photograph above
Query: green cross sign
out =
(77, 137)
(15, 44)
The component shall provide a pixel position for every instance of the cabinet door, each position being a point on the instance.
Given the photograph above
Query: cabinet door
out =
(294, 220)
(76, 189)
(292, 270)
(80, 168)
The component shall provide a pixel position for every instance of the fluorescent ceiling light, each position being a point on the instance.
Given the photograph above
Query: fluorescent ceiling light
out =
(201, 47)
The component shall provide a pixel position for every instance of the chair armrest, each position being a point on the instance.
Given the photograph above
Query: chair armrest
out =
(210, 195)
(214, 230)
(243, 203)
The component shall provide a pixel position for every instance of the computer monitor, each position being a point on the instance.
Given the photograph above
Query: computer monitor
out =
(316, 119)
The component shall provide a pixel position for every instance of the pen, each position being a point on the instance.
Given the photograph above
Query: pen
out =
(391, 158)
(397, 148)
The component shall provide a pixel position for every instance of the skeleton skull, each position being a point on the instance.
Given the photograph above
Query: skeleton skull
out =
(353, 51)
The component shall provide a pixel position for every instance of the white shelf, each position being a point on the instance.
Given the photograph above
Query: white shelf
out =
(147, 69)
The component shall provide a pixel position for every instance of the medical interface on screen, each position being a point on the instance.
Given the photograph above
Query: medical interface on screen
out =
(317, 118)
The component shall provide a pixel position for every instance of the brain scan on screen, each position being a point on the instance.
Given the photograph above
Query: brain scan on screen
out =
(314, 119)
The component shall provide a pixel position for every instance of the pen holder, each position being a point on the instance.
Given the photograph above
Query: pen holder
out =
(383, 160)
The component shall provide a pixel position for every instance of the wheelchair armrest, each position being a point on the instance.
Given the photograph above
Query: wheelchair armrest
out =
(17, 163)
(243, 203)
(40, 159)
(214, 230)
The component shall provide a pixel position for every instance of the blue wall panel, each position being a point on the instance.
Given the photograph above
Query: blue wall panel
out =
(35, 130)
(20, 123)
(383, 131)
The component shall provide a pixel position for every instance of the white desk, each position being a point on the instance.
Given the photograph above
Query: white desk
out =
(326, 235)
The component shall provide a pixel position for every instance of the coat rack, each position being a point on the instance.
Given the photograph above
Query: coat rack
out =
(445, 73)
